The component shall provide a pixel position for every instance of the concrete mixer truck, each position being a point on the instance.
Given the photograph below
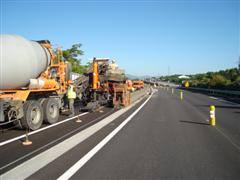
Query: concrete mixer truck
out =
(33, 82)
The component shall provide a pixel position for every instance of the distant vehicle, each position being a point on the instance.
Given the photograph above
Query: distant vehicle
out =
(138, 84)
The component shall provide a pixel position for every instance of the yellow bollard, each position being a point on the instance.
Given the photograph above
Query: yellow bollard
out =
(212, 120)
(181, 94)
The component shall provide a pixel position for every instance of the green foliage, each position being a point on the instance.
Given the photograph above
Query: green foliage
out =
(224, 79)
(218, 81)
(173, 78)
(72, 55)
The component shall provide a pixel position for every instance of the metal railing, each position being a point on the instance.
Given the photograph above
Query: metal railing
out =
(217, 91)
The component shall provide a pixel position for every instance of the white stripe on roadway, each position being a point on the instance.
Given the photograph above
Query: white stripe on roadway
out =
(39, 130)
(229, 102)
(222, 100)
(211, 97)
(34, 164)
(70, 172)
(228, 138)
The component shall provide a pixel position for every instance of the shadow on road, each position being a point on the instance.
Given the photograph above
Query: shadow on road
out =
(194, 122)
(224, 97)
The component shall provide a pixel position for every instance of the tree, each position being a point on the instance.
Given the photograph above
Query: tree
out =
(72, 55)
(218, 81)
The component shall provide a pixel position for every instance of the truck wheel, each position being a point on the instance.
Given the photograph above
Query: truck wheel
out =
(50, 110)
(41, 100)
(33, 115)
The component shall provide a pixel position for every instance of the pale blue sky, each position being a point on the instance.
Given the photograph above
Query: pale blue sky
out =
(145, 37)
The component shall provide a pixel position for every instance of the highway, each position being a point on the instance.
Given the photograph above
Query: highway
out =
(160, 137)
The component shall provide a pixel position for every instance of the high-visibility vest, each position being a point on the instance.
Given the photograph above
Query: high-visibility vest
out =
(70, 93)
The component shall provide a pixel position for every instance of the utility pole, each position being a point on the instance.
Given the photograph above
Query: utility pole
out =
(239, 63)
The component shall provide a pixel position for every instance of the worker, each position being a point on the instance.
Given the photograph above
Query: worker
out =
(71, 94)
(114, 65)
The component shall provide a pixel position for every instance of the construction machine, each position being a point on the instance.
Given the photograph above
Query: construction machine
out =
(103, 85)
(33, 82)
(138, 84)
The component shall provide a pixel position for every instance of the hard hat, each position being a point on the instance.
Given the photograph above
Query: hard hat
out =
(113, 61)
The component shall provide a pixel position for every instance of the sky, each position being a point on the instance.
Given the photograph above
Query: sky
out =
(145, 37)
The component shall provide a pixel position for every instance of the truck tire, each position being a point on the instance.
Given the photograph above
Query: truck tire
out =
(41, 100)
(50, 110)
(33, 115)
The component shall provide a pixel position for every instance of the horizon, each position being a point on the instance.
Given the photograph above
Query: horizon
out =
(175, 74)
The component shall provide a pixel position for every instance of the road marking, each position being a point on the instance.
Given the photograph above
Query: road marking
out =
(211, 97)
(54, 141)
(39, 130)
(70, 172)
(222, 100)
(228, 138)
(37, 162)
(220, 131)
(229, 102)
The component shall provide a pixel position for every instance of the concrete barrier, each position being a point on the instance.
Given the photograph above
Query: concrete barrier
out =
(138, 94)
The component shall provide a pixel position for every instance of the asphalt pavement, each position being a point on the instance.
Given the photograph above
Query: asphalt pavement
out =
(171, 139)
(167, 139)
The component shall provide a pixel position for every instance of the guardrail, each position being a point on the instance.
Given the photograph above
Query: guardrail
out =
(217, 91)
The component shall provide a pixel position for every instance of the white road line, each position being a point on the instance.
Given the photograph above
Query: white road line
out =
(229, 102)
(39, 161)
(39, 130)
(70, 172)
(56, 140)
(222, 100)
(228, 138)
(211, 97)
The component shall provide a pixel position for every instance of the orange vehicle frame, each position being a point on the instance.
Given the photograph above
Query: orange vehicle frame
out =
(50, 85)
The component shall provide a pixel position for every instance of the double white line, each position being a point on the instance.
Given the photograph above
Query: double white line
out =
(39, 130)
(39, 161)
(70, 172)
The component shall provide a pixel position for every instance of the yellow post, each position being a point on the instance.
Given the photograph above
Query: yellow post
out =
(95, 75)
(212, 120)
(181, 94)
